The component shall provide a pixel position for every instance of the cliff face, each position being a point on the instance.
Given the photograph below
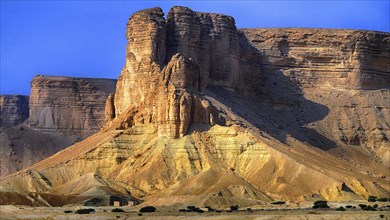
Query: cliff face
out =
(205, 114)
(63, 110)
(346, 59)
(68, 105)
(170, 62)
(13, 110)
(347, 71)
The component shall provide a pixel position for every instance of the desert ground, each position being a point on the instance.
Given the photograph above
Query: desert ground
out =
(261, 213)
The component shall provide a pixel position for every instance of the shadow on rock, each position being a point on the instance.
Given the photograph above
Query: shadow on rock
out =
(278, 106)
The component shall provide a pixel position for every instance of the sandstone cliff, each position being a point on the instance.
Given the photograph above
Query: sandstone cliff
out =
(63, 110)
(347, 59)
(345, 71)
(13, 110)
(181, 56)
(68, 105)
(206, 114)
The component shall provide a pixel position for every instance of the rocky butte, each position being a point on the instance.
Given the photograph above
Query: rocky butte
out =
(59, 112)
(205, 113)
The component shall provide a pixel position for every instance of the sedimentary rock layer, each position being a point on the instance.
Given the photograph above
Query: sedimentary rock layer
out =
(349, 59)
(345, 71)
(21, 147)
(205, 114)
(68, 105)
(13, 110)
(170, 62)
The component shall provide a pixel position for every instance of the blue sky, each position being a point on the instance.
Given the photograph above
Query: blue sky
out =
(87, 38)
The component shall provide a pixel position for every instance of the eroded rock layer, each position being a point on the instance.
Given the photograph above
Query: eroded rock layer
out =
(13, 110)
(170, 62)
(348, 59)
(345, 71)
(206, 114)
(68, 105)
(63, 110)
(22, 147)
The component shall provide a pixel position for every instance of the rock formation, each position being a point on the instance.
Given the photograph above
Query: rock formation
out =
(13, 110)
(63, 110)
(347, 71)
(346, 59)
(207, 114)
(169, 63)
(68, 105)
(22, 147)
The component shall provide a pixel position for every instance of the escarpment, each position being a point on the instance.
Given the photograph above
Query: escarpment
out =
(68, 105)
(208, 114)
(346, 59)
(60, 112)
(348, 71)
(13, 110)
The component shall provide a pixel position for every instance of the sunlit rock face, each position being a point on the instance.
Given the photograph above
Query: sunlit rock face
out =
(170, 62)
(68, 105)
(13, 110)
(208, 114)
(60, 112)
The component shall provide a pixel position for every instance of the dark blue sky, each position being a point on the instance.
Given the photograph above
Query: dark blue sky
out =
(87, 38)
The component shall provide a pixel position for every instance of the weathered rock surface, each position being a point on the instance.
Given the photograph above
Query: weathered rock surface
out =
(68, 105)
(206, 114)
(63, 110)
(347, 71)
(13, 110)
(22, 147)
(348, 59)
(181, 56)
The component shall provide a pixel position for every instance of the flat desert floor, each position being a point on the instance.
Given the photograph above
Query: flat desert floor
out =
(103, 213)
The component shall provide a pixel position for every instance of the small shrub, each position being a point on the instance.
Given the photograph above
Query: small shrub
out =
(85, 211)
(139, 214)
(348, 206)
(375, 206)
(191, 207)
(148, 209)
(383, 200)
(68, 211)
(117, 210)
(194, 209)
(340, 208)
(278, 203)
(369, 208)
(198, 210)
(210, 209)
(382, 216)
(362, 206)
(234, 207)
(372, 198)
(320, 204)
